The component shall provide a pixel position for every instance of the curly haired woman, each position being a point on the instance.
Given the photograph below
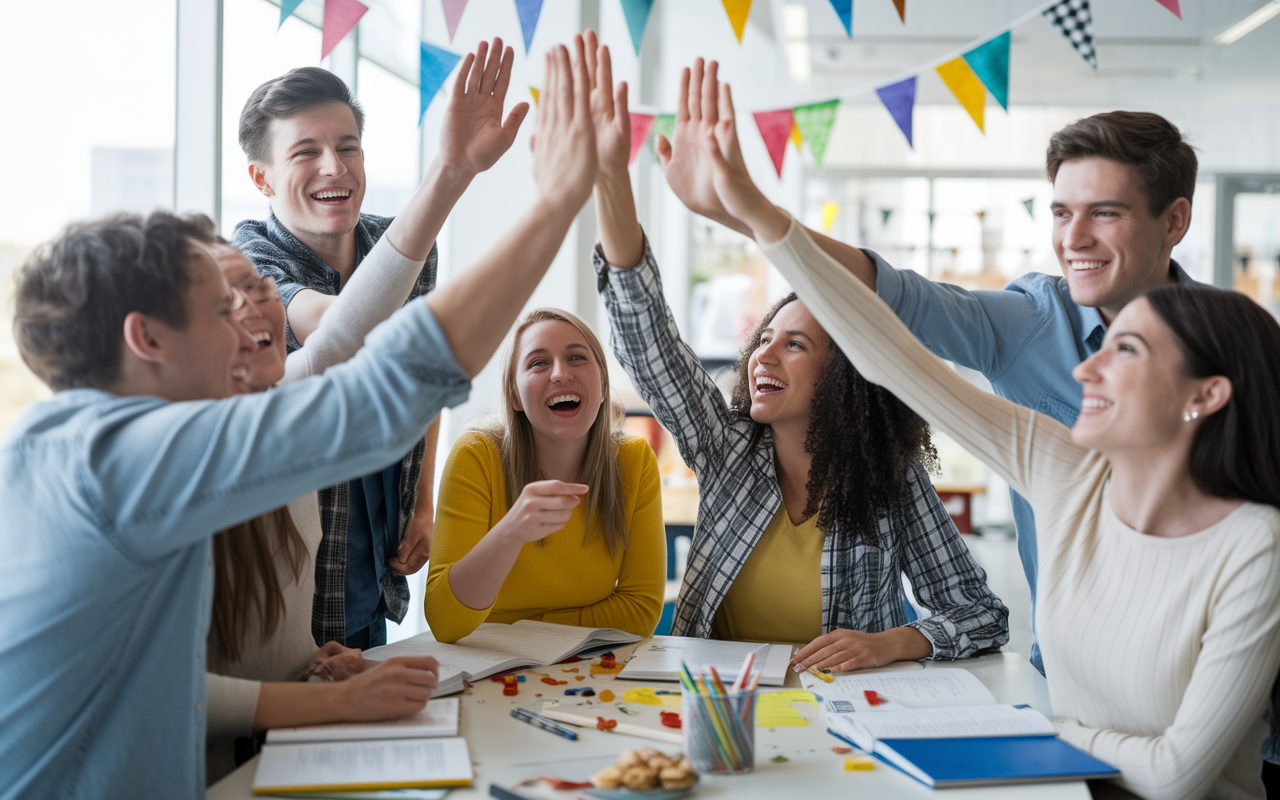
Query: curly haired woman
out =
(813, 498)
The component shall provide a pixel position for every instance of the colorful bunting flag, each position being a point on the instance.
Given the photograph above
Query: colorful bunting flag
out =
(664, 125)
(965, 85)
(844, 10)
(452, 14)
(797, 138)
(533, 90)
(900, 98)
(641, 124)
(529, 11)
(1172, 5)
(902, 10)
(775, 129)
(830, 211)
(287, 7)
(637, 14)
(815, 123)
(434, 68)
(1030, 205)
(340, 16)
(1074, 19)
(990, 61)
(885, 213)
(738, 11)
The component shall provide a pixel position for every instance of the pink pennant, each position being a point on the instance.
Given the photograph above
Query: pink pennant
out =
(641, 124)
(1172, 5)
(340, 16)
(453, 13)
(775, 129)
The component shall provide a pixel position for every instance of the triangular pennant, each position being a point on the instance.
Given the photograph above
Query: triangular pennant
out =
(435, 66)
(529, 11)
(830, 211)
(815, 123)
(844, 10)
(964, 84)
(287, 7)
(664, 125)
(990, 61)
(1030, 205)
(1172, 5)
(902, 10)
(452, 14)
(775, 129)
(885, 213)
(900, 99)
(641, 124)
(637, 14)
(534, 91)
(797, 138)
(340, 16)
(761, 19)
(1074, 19)
(738, 11)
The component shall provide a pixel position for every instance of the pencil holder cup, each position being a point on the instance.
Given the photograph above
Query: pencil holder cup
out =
(720, 732)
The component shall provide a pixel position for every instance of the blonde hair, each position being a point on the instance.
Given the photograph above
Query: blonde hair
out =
(512, 433)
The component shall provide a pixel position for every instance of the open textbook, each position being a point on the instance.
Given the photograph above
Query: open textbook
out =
(366, 765)
(496, 647)
(437, 718)
(660, 659)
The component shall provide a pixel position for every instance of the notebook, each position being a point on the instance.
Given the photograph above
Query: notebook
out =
(438, 718)
(368, 765)
(659, 660)
(496, 647)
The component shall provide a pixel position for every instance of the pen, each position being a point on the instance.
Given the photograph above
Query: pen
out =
(525, 715)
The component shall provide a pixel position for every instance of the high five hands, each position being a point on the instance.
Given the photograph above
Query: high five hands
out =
(474, 135)
(564, 141)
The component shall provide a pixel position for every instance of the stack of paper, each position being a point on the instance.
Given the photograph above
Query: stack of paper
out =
(438, 718)
(367, 765)
(660, 659)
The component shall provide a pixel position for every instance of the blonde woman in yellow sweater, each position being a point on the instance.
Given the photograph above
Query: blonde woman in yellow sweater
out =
(549, 513)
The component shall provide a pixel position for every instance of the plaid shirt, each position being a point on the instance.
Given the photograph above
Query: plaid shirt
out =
(739, 495)
(278, 254)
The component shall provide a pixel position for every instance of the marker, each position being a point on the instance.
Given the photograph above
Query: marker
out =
(524, 715)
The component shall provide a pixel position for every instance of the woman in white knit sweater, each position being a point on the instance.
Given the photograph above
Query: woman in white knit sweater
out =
(1159, 606)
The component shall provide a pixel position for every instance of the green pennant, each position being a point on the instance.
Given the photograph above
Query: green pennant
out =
(815, 123)
(665, 124)
(990, 61)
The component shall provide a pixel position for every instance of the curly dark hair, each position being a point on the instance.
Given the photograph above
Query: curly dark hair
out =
(863, 440)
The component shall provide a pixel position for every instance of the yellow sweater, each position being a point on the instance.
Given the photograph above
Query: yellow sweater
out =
(559, 579)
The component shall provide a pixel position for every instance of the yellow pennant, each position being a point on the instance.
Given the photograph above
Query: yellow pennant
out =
(738, 11)
(796, 137)
(829, 213)
(535, 94)
(965, 84)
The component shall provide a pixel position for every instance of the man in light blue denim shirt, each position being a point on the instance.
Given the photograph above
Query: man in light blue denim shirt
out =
(112, 489)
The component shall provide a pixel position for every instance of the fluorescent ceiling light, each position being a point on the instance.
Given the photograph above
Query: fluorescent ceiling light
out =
(1245, 26)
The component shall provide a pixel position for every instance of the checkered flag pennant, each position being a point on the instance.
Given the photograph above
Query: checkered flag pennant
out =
(1074, 19)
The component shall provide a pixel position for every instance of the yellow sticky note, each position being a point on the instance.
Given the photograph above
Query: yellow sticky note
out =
(859, 764)
(644, 697)
(779, 709)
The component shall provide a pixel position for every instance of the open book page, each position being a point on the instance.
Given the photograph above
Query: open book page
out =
(374, 764)
(472, 662)
(437, 718)
(543, 643)
(927, 688)
(942, 723)
(659, 660)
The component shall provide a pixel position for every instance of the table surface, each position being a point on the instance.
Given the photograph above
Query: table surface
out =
(505, 751)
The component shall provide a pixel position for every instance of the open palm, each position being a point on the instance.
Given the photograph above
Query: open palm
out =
(608, 109)
(474, 135)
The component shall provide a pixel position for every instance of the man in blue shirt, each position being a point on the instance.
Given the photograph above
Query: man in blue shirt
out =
(113, 488)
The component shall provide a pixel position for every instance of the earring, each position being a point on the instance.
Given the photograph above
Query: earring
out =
(1191, 416)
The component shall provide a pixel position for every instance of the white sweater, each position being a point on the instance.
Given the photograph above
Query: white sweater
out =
(1160, 653)
(375, 290)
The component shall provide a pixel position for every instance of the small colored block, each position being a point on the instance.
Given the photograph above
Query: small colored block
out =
(873, 698)
(842, 751)
(575, 669)
(859, 764)
(572, 692)
(779, 759)
(588, 692)
(606, 695)
(823, 675)
(519, 679)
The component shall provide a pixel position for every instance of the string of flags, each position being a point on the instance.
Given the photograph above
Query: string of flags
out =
(969, 73)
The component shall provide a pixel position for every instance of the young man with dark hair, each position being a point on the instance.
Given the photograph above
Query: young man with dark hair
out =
(301, 133)
(112, 489)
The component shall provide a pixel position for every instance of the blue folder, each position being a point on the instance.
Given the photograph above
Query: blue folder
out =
(942, 763)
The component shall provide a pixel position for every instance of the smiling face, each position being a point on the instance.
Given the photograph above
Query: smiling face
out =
(257, 308)
(784, 370)
(1135, 389)
(315, 177)
(559, 385)
(1109, 246)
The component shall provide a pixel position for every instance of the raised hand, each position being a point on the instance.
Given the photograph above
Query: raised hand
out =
(564, 144)
(474, 135)
(732, 184)
(608, 109)
(395, 688)
(684, 161)
(542, 509)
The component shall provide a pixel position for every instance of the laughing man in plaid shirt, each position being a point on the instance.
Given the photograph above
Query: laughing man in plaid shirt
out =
(808, 514)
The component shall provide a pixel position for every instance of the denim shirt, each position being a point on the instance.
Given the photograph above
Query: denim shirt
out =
(107, 509)
(1026, 339)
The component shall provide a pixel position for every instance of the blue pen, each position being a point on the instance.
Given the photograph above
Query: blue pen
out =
(524, 715)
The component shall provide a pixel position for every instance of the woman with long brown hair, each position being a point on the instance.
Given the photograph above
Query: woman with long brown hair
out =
(549, 512)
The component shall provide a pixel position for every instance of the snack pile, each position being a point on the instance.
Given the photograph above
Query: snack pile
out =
(646, 769)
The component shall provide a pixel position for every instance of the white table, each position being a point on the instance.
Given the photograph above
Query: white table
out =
(505, 751)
